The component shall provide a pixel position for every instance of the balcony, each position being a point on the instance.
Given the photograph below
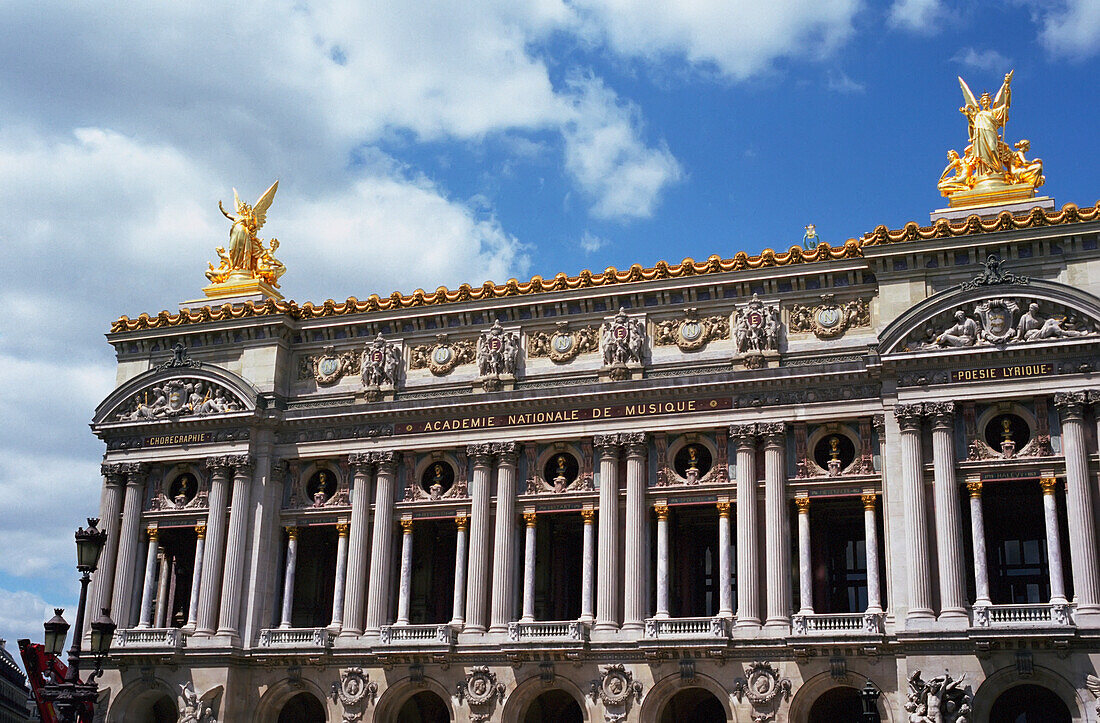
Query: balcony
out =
(1042, 615)
(160, 640)
(295, 638)
(549, 631)
(417, 636)
(838, 624)
(715, 628)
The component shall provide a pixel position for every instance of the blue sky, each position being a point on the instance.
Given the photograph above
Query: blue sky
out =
(441, 142)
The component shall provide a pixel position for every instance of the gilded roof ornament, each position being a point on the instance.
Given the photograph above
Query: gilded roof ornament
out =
(989, 171)
(248, 268)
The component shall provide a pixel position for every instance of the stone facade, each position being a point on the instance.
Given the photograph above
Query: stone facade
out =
(739, 491)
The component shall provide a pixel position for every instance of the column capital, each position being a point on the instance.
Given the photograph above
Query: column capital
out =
(589, 515)
(530, 518)
(342, 529)
(606, 444)
(1071, 405)
(635, 444)
(662, 510)
(869, 501)
(291, 532)
(241, 463)
(974, 486)
(217, 464)
(482, 454)
(151, 533)
(360, 462)
(461, 520)
(942, 413)
(506, 452)
(878, 421)
(1048, 484)
(803, 505)
(135, 472)
(200, 531)
(909, 416)
(723, 509)
(113, 471)
(386, 460)
(406, 525)
(772, 432)
(745, 434)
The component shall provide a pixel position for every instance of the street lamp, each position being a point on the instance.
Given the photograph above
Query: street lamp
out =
(70, 697)
(870, 695)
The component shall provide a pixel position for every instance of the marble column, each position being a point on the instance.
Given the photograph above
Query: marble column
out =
(909, 418)
(1054, 541)
(477, 581)
(404, 590)
(870, 538)
(128, 547)
(236, 544)
(588, 565)
(150, 586)
(949, 549)
(635, 597)
(531, 520)
(1083, 551)
(977, 533)
(196, 578)
(459, 605)
(504, 546)
(110, 511)
(288, 576)
(381, 558)
(338, 587)
(725, 563)
(776, 531)
(805, 565)
(213, 556)
(161, 610)
(661, 510)
(748, 560)
(607, 566)
(355, 581)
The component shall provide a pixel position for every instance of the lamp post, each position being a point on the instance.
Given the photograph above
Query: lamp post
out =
(71, 697)
(869, 696)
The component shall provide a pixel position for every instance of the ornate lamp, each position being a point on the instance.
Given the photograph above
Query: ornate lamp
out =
(89, 543)
(103, 632)
(869, 694)
(56, 630)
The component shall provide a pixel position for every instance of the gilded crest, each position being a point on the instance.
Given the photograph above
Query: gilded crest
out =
(998, 317)
(691, 333)
(443, 356)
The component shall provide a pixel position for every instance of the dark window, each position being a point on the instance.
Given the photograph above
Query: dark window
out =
(836, 705)
(433, 576)
(559, 540)
(1029, 704)
(314, 577)
(693, 561)
(839, 556)
(1016, 542)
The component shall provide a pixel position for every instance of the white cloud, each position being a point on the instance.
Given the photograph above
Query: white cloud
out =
(605, 154)
(591, 243)
(839, 82)
(915, 15)
(21, 616)
(738, 39)
(987, 60)
(1071, 28)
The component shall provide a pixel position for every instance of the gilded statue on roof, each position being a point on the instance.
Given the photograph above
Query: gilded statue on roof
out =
(247, 261)
(989, 170)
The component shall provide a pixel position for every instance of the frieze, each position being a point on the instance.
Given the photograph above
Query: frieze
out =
(993, 322)
(175, 398)
(563, 344)
(691, 333)
(443, 356)
(321, 434)
(831, 393)
(328, 367)
(241, 434)
(828, 319)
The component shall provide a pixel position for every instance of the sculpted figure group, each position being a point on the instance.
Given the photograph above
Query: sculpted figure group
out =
(622, 340)
(180, 397)
(994, 322)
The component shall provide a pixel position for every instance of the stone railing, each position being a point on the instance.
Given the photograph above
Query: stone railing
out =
(295, 638)
(548, 630)
(837, 623)
(149, 639)
(417, 635)
(1013, 616)
(687, 628)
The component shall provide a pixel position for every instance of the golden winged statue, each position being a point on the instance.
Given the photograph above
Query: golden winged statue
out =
(247, 260)
(989, 170)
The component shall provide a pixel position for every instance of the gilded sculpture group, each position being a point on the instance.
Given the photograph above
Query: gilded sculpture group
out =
(989, 163)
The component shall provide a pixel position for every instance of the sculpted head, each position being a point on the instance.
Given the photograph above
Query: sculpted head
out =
(952, 155)
(960, 316)
(985, 101)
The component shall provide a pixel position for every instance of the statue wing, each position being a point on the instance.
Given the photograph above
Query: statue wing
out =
(968, 96)
(236, 202)
(1093, 684)
(259, 211)
(1002, 94)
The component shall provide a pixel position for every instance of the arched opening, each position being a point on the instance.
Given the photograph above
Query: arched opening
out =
(693, 704)
(424, 707)
(154, 706)
(302, 708)
(554, 706)
(1029, 704)
(837, 705)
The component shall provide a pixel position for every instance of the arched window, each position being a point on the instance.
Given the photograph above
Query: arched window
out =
(837, 704)
(302, 708)
(554, 706)
(693, 704)
(1029, 704)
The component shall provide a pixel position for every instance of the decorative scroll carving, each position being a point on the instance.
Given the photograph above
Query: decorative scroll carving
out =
(563, 344)
(994, 275)
(616, 689)
(328, 367)
(941, 699)
(691, 333)
(354, 692)
(443, 356)
(828, 319)
(481, 691)
(764, 688)
(179, 398)
(180, 359)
